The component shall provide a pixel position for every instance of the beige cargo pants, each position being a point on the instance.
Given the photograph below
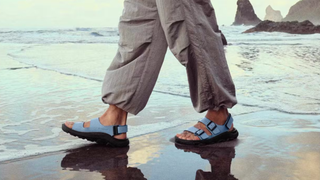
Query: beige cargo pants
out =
(147, 28)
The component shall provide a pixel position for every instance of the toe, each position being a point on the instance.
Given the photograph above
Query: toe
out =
(196, 138)
(69, 124)
(188, 136)
(181, 135)
(193, 137)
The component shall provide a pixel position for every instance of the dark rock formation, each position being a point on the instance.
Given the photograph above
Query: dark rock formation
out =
(245, 14)
(305, 10)
(273, 15)
(293, 27)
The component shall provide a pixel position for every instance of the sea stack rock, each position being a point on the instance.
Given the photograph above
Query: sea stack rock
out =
(293, 27)
(273, 15)
(305, 10)
(245, 14)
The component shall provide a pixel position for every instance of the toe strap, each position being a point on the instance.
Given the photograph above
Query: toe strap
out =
(198, 132)
(78, 126)
(213, 128)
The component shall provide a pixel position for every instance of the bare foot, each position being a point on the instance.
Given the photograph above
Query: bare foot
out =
(113, 116)
(218, 117)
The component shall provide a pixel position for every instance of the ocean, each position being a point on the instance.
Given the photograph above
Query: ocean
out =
(49, 76)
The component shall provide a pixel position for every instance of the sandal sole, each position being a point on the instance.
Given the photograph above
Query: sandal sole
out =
(100, 138)
(226, 136)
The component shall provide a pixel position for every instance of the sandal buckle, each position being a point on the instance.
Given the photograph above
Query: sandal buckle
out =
(199, 133)
(211, 129)
(115, 130)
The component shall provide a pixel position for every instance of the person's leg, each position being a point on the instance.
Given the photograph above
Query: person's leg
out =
(189, 26)
(130, 79)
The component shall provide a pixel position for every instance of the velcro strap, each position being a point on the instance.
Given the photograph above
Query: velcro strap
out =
(198, 132)
(229, 122)
(120, 129)
(211, 126)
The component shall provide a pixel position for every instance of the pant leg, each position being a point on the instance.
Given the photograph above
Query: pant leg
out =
(189, 27)
(132, 75)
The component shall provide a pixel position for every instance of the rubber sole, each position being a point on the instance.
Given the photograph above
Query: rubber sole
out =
(226, 136)
(100, 138)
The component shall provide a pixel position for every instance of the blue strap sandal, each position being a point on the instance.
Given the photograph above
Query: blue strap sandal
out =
(219, 133)
(98, 133)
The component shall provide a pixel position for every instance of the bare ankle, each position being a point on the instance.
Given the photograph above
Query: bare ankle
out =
(114, 115)
(219, 117)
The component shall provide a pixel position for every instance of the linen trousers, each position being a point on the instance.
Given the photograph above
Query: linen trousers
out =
(146, 29)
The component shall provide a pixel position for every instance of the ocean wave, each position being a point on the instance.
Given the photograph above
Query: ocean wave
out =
(83, 29)
(263, 44)
(40, 31)
(54, 31)
(111, 35)
(60, 36)
(96, 34)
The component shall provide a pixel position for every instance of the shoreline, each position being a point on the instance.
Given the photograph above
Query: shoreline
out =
(154, 156)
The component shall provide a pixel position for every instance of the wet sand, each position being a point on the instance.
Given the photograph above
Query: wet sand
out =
(261, 152)
(271, 145)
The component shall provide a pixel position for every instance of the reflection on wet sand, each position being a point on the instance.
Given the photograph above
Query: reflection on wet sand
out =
(110, 162)
(219, 157)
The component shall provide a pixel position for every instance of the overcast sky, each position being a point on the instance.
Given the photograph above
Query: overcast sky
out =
(102, 13)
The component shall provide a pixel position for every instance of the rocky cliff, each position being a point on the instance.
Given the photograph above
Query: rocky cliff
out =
(293, 27)
(305, 10)
(273, 15)
(245, 14)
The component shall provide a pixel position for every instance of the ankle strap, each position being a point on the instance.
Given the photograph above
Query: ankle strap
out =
(120, 129)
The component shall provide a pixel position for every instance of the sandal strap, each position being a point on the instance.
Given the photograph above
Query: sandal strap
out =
(121, 129)
(212, 127)
(216, 129)
(198, 132)
(229, 122)
(96, 126)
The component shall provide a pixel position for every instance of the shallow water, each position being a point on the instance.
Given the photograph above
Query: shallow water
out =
(261, 152)
(50, 76)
